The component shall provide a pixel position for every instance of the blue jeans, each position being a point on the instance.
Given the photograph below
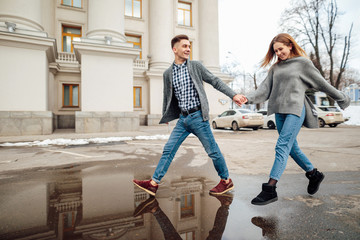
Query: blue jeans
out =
(192, 123)
(288, 126)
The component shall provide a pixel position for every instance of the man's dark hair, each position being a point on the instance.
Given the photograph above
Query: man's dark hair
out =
(178, 38)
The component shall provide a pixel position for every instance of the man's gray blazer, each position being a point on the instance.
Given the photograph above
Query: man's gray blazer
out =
(198, 74)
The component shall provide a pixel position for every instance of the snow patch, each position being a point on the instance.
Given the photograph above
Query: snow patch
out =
(353, 113)
(68, 142)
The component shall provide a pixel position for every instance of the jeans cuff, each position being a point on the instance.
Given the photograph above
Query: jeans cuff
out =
(158, 182)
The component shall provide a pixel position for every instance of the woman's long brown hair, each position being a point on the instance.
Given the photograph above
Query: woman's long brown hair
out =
(287, 40)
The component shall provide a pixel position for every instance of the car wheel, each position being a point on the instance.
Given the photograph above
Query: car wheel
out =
(255, 128)
(214, 125)
(321, 123)
(333, 125)
(234, 126)
(271, 125)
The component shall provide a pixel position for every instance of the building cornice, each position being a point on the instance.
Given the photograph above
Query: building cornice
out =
(30, 42)
(103, 49)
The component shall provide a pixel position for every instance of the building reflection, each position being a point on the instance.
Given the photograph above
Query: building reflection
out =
(90, 206)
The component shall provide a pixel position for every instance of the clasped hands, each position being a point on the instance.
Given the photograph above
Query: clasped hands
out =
(239, 99)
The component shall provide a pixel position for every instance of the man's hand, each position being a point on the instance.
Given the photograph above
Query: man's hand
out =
(240, 99)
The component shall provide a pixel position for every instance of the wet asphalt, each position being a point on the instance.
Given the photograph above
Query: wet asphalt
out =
(97, 200)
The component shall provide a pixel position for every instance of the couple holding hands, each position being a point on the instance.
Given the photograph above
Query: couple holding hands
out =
(284, 87)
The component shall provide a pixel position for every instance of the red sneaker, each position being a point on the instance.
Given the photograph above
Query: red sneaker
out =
(146, 186)
(222, 187)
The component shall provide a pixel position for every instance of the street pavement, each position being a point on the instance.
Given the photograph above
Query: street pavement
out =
(86, 191)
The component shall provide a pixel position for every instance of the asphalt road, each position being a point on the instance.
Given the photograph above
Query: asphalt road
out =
(85, 191)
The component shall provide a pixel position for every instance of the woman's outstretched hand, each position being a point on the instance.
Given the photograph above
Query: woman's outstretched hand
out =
(240, 99)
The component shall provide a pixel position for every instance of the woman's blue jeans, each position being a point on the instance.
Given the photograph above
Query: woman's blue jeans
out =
(288, 127)
(192, 123)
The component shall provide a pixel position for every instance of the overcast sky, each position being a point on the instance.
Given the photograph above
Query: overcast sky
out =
(247, 27)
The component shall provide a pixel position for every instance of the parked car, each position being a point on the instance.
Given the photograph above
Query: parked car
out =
(238, 118)
(329, 115)
(269, 121)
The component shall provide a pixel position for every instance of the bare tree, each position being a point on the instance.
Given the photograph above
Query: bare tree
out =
(313, 22)
(253, 77)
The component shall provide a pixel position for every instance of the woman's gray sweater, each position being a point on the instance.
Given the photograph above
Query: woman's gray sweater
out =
(285, 87)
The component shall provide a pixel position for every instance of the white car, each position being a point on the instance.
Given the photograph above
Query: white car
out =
(238, 118)
(329, 115)
(269, 121)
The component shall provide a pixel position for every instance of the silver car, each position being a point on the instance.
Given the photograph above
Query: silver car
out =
(238, 118)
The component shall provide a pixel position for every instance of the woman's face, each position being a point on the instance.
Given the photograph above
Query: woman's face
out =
(282, 51)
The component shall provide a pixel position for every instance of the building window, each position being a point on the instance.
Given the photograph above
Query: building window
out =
(72, 3)
(68, 35)
(137, 97)
(184, 14)
(136, 40)
(70, 95)
(187, 206)
(69, 221)
(188, 235)
(133, 8)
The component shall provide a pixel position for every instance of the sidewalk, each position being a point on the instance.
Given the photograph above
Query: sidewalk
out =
(162, 129)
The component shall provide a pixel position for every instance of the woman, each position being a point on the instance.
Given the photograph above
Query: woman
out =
(284, 87)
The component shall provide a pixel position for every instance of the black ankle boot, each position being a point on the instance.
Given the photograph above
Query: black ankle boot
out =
(267, 195)
(315, 178)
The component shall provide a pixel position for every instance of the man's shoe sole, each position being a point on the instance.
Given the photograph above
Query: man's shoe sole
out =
(318, 186)
(266, 202)
(146, 190)
(229, 189)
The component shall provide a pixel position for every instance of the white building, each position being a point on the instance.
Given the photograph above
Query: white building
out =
(353, 91)
(96, 66)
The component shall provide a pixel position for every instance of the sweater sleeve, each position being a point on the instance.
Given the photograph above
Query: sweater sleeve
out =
(216, 82)
(312, 77)
(261, 94)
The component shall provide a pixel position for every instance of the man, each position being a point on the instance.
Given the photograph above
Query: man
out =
(185, 98)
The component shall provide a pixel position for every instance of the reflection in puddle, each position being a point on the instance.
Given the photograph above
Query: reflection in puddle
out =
(151, 205)
(268, 226)
(101, 203)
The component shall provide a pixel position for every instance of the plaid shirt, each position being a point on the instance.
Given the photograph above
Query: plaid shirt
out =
(184, 87)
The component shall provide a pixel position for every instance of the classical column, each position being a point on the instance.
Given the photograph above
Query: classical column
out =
(27, 15)
(24, 66)
(106, 71)
(106, 19)
(209, 34)
(161, 29)
(209, 53)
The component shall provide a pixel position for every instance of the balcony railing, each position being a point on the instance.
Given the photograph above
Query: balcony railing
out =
(65, 57)
(141, 64)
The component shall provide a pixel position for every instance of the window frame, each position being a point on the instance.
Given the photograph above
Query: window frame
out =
(72, 4)
(132, 9)
(134, 89)
(186, 236)
(184, 10)
(186, 207)
(70, 35)
(70, 95)
(135, 43)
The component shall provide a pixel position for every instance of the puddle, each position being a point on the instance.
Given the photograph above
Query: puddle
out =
(99, 201)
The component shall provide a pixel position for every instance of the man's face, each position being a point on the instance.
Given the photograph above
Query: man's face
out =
(182, 49)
